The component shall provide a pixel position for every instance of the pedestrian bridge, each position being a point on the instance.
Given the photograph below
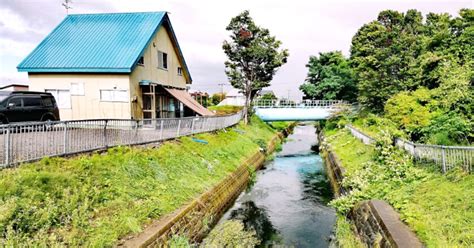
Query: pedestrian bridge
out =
(307, 110)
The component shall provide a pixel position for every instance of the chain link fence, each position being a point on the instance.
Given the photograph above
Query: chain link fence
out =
(446, 157)
(25, 142)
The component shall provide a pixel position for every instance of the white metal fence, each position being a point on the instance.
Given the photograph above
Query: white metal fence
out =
(266, 103)
(24, 142)
(366, 139)
(446, 157)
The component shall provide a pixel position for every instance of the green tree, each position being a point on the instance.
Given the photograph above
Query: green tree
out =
(330, 77)
(268, 96)
(384, 56)
(216, 98)
(253, 57)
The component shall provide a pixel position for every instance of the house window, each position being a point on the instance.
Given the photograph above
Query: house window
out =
(141, 61)
(114, 95)
(77, 89)
(180, 71)
(162, 60)
(63, 98)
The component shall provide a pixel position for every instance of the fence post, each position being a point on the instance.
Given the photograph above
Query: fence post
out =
(105, 133)
(443, 157)
(161, 130)
(192, 126)
(65, 138)
(179, 126)
(7, 146)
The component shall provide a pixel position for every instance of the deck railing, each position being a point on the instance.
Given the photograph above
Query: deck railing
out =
(26, 142)
(445, 157)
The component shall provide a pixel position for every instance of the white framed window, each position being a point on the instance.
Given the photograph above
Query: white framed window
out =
(114, 95)
(62, 97)
(162, 60)
(180, 71)
(77, 89)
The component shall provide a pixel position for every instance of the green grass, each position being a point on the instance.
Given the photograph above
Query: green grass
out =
(345, 234)
(225, 110)
(95, 200)
(439, 208)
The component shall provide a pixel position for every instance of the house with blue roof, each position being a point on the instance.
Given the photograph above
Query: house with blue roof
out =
(118, 65)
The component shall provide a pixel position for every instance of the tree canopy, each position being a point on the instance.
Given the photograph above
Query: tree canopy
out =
(254, 56)
(330, 77)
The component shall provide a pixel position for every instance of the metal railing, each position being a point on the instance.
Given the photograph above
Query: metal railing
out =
(446, 157)
(265, 103)
(25, 142)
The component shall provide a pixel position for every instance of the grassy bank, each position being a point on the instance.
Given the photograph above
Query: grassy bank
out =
(439, 208)
(95, 200)
(225, 110)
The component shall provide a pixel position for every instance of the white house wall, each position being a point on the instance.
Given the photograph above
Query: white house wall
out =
(89, 105)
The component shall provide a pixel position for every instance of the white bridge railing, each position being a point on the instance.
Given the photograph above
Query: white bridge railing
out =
(446, 157)
(25, 142)
(264, 103)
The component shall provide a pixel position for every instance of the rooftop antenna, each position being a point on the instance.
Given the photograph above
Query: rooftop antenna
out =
(67, 6)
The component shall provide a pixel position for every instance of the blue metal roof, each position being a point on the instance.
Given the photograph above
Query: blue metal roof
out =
(97, 43)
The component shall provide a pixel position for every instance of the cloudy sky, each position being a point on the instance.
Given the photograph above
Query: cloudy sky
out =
(305, 27)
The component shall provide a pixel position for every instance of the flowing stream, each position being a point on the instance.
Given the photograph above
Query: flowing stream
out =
(287, 205)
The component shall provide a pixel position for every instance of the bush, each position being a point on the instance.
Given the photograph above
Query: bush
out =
(411, 111)
(448, 129)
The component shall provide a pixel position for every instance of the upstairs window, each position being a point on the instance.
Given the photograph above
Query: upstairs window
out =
(141, 61)
(180, 71)
(162, 60)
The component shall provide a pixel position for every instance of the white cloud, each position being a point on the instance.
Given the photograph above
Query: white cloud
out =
(305, 27)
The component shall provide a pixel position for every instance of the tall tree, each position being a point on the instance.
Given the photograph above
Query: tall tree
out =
(384, 55)
(330, 77)
(254, 56)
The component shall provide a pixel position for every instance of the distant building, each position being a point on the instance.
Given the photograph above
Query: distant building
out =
(200, 97)
(14, 87)
(120, 65)
(233, 97)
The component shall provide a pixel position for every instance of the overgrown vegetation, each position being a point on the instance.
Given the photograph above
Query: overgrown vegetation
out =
(231, 233)
(95, 200)
(439, 208)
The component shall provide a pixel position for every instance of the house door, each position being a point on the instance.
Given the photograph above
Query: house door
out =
(149, 102)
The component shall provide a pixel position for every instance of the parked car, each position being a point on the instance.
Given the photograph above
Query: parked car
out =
(20, 106)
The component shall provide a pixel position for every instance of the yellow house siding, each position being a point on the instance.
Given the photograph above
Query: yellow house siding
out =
(150, 71)
(89, 105)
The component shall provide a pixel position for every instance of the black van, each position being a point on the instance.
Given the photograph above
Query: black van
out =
(18, 106)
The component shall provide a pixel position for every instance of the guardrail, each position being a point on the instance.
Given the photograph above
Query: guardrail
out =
(446, 157)
(264, 103)
(26, 142)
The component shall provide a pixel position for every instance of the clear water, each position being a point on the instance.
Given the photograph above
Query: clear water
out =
(287, 205)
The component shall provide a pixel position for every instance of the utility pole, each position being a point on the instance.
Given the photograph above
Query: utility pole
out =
(222, 91)
(67, 6)
(288, 95)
